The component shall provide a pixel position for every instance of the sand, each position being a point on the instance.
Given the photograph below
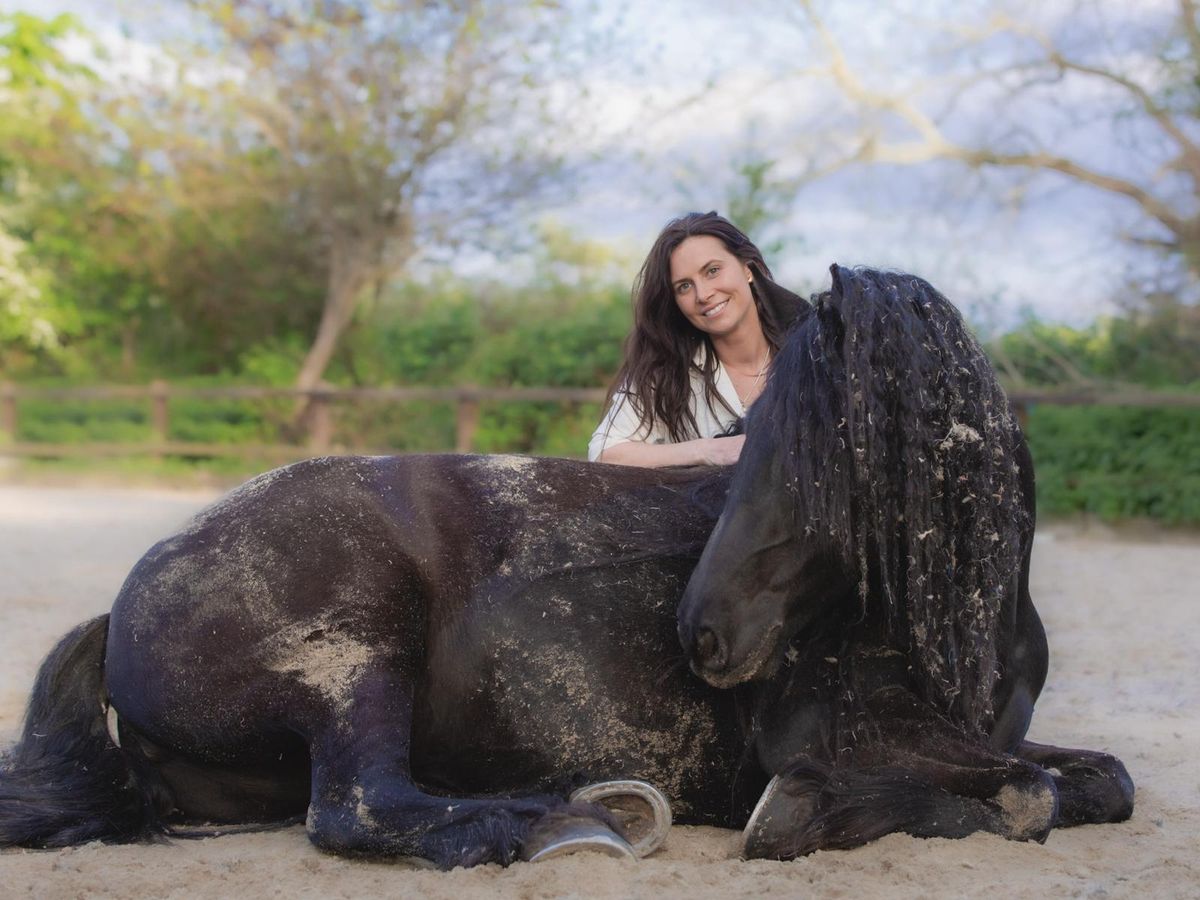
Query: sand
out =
(1123, 617)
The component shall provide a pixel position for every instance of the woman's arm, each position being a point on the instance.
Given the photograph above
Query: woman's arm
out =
(723, 451)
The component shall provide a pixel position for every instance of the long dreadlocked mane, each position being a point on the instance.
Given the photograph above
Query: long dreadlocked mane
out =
(901, 447)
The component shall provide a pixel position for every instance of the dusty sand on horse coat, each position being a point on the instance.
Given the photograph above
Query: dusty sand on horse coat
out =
(1123, 618)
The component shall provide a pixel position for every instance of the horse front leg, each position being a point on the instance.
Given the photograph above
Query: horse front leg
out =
(917, 773)
(1093, 787)
(364, 800)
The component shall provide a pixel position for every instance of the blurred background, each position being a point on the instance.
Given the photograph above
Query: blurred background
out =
(234, 233)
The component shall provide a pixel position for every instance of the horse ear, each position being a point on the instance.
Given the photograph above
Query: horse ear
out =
(845, 289)
(781, 305)
(838, 276)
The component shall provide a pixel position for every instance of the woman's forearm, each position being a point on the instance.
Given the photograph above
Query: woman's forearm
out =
(700, 452)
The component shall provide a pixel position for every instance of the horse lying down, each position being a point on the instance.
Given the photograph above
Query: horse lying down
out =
(428, 654)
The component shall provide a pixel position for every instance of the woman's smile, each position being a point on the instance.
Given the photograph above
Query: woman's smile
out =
(712, 287)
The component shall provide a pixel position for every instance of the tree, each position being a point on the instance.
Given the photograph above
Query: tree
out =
(1025, 88)
(39, 93)
(39, 114)
(388, 125)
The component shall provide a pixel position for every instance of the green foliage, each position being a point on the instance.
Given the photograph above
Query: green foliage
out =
(1117, 462)
(759, 202)
(579, 346)
(221, 421)
(83, 421)
(563, 329)
(543, 428)
(30, 56)
(273, 362)
(413, 427)
(39, 92)
(424, 335)
(1113, 462)
(1157, 346)
(40, 103)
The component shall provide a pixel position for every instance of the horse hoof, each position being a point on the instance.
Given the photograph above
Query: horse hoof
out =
(562, 835)
(640, 807)
(777, 819)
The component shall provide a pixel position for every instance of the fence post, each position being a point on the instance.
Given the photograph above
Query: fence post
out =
(1021, 409)
(8, 412)
(466, 422)
(320, 421)
(160, 416)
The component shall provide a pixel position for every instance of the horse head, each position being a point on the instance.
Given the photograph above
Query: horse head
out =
(880, 463)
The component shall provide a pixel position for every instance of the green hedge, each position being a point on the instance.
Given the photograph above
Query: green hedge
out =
(1111, 462)
(552, 429)
(1117, 462)
(83, 421)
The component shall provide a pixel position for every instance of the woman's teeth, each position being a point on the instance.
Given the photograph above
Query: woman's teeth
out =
(716, 309)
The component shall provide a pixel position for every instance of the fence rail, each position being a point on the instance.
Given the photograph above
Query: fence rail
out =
(318, 436)
(466, 399)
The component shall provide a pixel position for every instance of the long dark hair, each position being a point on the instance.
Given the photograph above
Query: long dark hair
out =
(661, 347)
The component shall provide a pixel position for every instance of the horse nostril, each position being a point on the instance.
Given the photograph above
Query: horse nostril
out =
(709, 652)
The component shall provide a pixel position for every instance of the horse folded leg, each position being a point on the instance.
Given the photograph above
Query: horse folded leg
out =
(363, 797)
(389, 816)
(817, 807)
(1093, 787)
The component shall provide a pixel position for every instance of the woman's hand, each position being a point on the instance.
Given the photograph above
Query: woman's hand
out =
(723, 451)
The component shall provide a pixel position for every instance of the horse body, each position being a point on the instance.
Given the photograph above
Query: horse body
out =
(507, 616)
(428, 653)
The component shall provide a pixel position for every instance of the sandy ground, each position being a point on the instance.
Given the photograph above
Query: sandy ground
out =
(1123, 615)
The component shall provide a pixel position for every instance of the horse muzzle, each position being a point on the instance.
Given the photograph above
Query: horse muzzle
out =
(722, 663)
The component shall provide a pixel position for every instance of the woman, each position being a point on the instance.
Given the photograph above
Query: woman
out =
(698, 353)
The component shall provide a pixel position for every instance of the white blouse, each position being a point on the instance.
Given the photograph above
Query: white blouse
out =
(620, 422)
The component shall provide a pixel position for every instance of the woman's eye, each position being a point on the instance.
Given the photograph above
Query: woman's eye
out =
(713, 270)
(682, 287)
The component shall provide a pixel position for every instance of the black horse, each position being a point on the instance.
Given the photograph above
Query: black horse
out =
(871, 569)
(427, 654)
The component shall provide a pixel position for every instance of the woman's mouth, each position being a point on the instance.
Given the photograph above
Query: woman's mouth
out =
(716, 310)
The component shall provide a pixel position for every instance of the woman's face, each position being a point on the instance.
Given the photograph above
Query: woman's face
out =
(712, 287)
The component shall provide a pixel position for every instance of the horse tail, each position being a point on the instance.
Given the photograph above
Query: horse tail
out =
(66, 781)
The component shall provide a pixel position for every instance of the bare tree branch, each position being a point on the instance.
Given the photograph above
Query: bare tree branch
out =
(931, 142)
(1189, 150)
(1191, 27)
(856, 90)
(1041, 160)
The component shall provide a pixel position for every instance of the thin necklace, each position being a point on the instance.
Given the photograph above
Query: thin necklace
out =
(754, 385)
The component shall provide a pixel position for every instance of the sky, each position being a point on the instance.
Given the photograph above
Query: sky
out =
(691, 86)
(1054, 255)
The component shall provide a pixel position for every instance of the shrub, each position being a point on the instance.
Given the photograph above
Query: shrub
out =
(1117, 462)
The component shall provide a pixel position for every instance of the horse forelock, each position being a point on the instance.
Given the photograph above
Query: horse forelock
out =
(901, 451)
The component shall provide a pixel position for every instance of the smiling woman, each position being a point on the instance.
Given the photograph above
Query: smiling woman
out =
(698, 354)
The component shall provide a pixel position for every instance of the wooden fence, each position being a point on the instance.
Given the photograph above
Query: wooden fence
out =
(318, 436)
(318, 430)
